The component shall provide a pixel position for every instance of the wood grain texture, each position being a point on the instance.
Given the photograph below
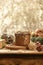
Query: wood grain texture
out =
(21, 59)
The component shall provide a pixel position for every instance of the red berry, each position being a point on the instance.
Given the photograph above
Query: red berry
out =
(39, 48)
(42, 47)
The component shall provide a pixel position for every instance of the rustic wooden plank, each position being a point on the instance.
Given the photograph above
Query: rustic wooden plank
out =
(21, 59)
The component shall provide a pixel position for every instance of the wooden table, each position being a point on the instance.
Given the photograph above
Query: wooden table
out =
(20, 57)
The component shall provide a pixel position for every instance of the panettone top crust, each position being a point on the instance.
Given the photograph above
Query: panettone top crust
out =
(19, 32)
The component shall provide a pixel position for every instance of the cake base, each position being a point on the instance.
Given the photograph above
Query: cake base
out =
(14, 47)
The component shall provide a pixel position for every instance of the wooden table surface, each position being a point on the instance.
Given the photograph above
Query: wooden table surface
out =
(7, 51)
(20, 57)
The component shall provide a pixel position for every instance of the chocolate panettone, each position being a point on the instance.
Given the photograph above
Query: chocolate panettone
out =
(22, 38)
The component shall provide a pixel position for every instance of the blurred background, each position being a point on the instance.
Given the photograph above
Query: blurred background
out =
(20, 15)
